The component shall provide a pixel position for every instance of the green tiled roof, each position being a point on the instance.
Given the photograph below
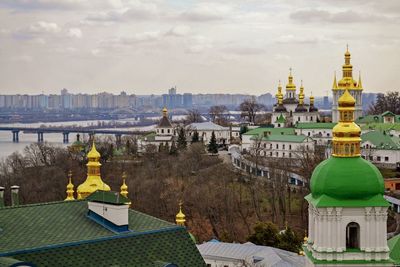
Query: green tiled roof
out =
(377, 118)
(7, 262)
(394, 246)
(315, 125)
(381, 126)
(150, 137)
(109, 197)
(285, 138)
(273, 131)
(60, 234)
(381, 140)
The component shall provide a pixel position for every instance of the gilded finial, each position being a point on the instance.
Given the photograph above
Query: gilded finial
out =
(124, 187)
(180, 217)
(165, 111)
(334, 86)
(70, 188)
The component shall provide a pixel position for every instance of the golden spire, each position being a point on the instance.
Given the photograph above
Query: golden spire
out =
(346, 134)
(301, 94)
(70, 188)
(165, 112)
(124, 187)
(311, 99)
(359, 81)
(334, 86)
(280, 99)
(93, 180)
(279, 93)
(347, 81)
(180, 217)
(290, 86)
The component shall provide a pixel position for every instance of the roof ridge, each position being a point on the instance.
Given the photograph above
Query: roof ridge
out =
(40, 204)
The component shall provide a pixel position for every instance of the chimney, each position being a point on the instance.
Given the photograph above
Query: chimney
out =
(109, 209)
(1, 196)
(14, 195)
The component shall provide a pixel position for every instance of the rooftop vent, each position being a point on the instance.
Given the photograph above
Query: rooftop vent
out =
(110, 209)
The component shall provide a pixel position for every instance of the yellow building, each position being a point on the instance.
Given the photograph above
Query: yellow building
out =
(93, 180)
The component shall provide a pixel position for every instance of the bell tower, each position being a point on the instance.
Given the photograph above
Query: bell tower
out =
(347, 211)
(347, 82)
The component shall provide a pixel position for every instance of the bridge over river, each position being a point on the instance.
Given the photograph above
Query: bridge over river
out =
(65, 131)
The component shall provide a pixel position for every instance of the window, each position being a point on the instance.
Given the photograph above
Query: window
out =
(162, 130)
(208, 265)
(290, 155)
(353, 235)
(168, 131)
(270, 154)
(371, 158)
(283, 146)
(277, 146)
(270, 146)
(283, 155)
(386, 159)
(327, 134)
(276, 154)
(308, 133)
(378, 158)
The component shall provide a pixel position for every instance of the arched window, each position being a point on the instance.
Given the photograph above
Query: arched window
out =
(353, 235)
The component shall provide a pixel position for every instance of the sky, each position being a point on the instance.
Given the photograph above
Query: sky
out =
(148, 46)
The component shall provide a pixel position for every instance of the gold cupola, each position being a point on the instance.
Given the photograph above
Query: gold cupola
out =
(70, 188)
(180, 217)
(346, 134)
(124, 187)
(347, 82)
(93, 180)
(301, 94)
(290, 86)
(165, 112)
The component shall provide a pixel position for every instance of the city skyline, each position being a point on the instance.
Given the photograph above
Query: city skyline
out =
(144, 47)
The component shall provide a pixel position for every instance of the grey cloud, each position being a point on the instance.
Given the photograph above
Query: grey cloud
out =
(319, 15)
(28, 5)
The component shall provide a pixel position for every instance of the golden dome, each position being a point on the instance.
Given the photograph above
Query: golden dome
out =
(70, 188)
(180, 217)
(165, 111)
(346, 100)
(93, 180)
(290, 85)
(124, 187)
(346, 134)
(93, 153)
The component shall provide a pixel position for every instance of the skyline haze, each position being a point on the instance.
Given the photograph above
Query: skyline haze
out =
(145, 47)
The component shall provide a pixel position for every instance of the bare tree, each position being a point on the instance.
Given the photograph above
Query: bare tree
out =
(218, 114)
(249, 109)
(193, 116)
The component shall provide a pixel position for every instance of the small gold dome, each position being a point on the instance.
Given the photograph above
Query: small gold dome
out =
(93, 153)
(180, 217)
(346, 100)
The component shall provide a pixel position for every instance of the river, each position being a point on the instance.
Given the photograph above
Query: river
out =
(7, 146)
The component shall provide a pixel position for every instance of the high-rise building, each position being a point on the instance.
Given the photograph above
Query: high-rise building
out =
(347, 82)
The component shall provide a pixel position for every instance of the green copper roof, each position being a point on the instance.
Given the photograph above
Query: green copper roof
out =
(60, 234)
(394, 246)
(286, 138)
(347, 182)
(281, 119)
(381, 140)
(109, 197)
(315, 125)
(382, 126)
(260, 131)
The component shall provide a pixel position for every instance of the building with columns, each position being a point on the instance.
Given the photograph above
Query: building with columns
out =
(347, 82)
(292, 108)
(347, 208)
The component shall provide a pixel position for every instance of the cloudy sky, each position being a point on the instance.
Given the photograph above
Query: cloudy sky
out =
(147, 46)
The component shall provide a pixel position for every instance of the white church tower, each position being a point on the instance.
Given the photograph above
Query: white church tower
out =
(347, 82)
(347, 210)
